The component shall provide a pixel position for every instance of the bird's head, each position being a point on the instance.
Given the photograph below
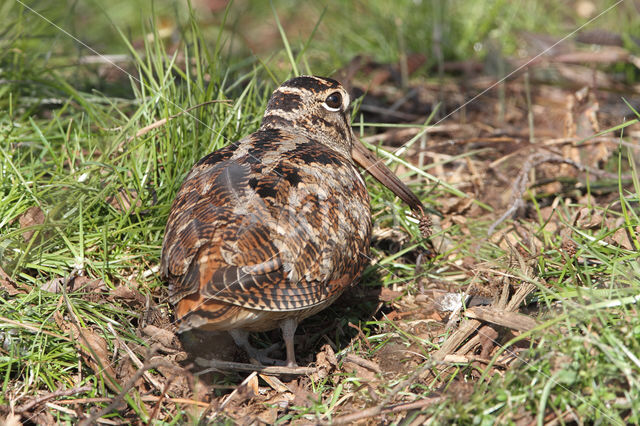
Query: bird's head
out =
(318, 108)
(315, 107)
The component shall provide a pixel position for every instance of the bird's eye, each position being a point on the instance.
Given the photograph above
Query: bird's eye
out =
(333, 102)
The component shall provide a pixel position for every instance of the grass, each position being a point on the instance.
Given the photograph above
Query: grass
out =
(66, 150)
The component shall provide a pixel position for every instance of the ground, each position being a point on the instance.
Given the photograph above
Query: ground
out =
(520, 306)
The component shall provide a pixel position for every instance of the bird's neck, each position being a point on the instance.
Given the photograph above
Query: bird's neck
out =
(332, 139)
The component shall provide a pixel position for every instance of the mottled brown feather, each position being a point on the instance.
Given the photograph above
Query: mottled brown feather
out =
(273, 228)
(267, 233)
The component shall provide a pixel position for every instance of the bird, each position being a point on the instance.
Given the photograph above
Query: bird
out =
(271, 229)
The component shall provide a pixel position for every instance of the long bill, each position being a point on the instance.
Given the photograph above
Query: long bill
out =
(366, 159)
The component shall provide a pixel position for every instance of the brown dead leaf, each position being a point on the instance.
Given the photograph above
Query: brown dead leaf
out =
(326, 362)
(268, 416)
(60, 321)
(178, 378)
(552, 187)
(331, 355)
(93, 349)
(128, 295)
(33, 216)
(587, 219)
(546, 213)
(9, 285)
(457, 205)
(53, 285)
(90, 285)
(302, 396)
(582, 122)
(43, 418)
(461, 221)
(363, 374)
(252, 387)
(392, 358)
(621, 238)
(509, 240)
(281, 400)
(246, 390)
(126, 369)
(96, 350)
(157, 334)
(274, 383)
(12, 420)
(365, 363)
(92, 289)
(388, 295)
(124, 199)
(435, 316)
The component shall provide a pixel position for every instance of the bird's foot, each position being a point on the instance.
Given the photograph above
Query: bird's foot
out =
(263, 356)
(257, 356)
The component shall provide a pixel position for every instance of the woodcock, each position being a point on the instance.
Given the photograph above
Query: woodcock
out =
(270, 230)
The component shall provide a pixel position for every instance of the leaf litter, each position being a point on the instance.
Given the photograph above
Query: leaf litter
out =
(426, 323)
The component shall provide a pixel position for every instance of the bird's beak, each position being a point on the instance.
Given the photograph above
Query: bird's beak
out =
(365, 158)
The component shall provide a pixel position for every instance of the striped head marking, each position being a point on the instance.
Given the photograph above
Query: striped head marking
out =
(315, 107)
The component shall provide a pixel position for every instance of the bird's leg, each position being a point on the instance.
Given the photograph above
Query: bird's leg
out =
(288, 327)
(241, 337)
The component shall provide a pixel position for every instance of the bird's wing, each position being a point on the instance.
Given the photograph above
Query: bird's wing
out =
(276, 224)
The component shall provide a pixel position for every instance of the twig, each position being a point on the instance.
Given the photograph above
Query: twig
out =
(74, 414)
(132, 356)
(409, 132)
(155, 363)
(164, 121)
(360, 334)
(397, 408)
(374, 411)
(275, 383)
(242, 385)
(520, 184)
(146, 398)
(504, 305)
(49, 396)
(238, 366)
(33, 328)
(455, 339)
(358, 415)
(369, 365)
(415, 405)
(575, 141)
(471, 344)
(503, 318)
(158, 404)
(466, 359)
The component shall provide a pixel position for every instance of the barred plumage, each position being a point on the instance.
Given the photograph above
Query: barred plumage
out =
(271, 229)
